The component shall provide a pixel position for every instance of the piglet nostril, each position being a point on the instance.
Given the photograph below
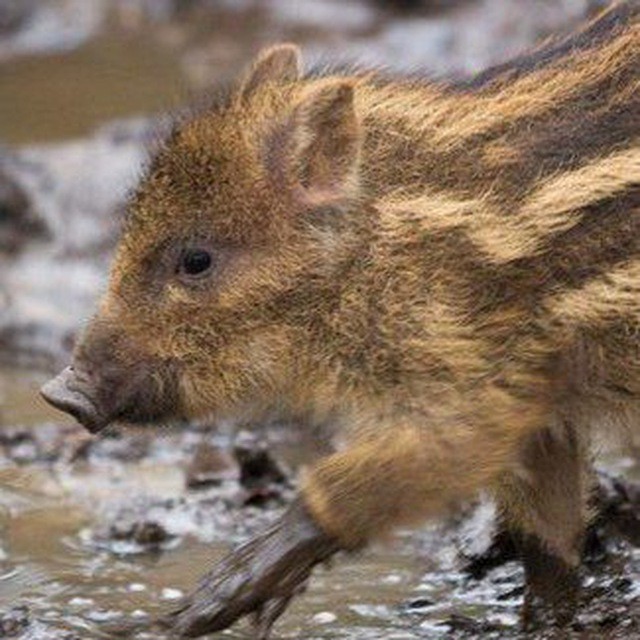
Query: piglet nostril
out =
(68, 392)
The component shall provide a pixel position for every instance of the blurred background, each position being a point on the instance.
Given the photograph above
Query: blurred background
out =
(92, 531)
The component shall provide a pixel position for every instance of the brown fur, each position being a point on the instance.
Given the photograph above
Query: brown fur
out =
(450, 272)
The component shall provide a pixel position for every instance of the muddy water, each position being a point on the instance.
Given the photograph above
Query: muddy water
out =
(54, 562)
(67, 95)
(71, 587)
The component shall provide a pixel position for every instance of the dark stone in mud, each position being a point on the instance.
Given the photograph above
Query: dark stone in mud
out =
(419, 603)
(623, 585)
(47, 444)
(262, 477)
(211, 466)
(149, 535)
(618, 503)
(14, 622)
(18, 222)
(502, 550)
(19, 445)
(457, 622)
(12, 436)
(257, 465)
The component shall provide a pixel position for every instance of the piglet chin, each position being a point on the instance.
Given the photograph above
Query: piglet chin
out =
(64, 393)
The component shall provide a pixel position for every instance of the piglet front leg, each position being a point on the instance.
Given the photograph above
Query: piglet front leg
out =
(260, 578)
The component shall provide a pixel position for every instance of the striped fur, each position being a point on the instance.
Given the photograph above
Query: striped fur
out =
(449, 271)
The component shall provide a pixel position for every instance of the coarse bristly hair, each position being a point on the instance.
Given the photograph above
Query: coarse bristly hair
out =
(450, 271)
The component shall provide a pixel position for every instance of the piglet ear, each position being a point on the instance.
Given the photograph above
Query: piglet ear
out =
(327, 140)
(278, 64)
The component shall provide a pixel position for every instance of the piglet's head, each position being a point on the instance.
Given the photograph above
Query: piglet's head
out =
(229, 265)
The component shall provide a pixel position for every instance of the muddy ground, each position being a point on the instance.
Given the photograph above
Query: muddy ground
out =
(100, 531)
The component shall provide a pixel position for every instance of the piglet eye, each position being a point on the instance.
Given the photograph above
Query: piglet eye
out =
(195, 262)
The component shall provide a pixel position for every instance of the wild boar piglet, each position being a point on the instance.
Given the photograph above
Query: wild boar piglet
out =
(451, 273)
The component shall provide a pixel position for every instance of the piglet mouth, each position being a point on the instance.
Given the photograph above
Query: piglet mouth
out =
(66, 393)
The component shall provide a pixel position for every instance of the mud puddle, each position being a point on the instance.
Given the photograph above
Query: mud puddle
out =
(96, 532)
(67, 95)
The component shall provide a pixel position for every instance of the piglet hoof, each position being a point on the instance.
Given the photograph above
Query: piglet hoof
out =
(552, 588)
(260, 578)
